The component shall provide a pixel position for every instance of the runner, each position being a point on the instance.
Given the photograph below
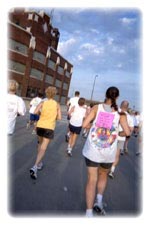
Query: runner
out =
(15, 106)
(72, 102)
(49, 112)
(76, 114)
(101, 146)
(122, 145)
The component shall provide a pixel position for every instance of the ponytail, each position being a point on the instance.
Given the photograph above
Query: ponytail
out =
(113, 104)
(112, 93)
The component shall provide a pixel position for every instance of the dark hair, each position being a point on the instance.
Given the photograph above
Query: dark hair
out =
(112, 93)
(40, 95)
(77, 93)
(81, 101)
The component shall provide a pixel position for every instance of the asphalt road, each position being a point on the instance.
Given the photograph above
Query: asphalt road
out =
(60, 187)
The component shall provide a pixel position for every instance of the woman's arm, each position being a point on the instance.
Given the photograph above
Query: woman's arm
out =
(58, 112)
(38, 108)
(71, 111)
(91, 116)
(124, 124)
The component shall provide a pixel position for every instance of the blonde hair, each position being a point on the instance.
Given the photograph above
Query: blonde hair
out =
(50, 92)
(13, 85)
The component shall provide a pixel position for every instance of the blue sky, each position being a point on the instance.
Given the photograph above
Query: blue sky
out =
(104, 42)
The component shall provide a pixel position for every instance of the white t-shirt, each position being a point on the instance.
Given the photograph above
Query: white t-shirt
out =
(73, 102)
(15, 105)
(77, 116)
(130, 124)
(101, 144)
(34, 103)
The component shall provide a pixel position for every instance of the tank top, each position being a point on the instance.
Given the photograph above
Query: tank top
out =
(48, 115)
(101, 144)
(77, 116)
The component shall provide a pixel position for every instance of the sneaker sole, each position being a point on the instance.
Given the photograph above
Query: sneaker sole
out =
(32, 175)
(69, 154)
(111, 176)
(99, 211)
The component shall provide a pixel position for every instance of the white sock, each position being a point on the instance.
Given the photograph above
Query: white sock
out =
(89, 213)
(113, 169)
(35, 167)
(99, 198)
(69, 149)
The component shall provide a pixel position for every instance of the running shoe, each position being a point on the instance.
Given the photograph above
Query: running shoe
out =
(40, 166)
(121, 152)
(69, 152)
(111, 175)
(33, 173)
(99, 208)
(85, 135)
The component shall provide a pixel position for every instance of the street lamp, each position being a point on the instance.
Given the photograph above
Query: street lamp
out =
(93, 86)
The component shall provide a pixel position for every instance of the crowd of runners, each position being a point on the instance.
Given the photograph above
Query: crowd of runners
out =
(106, 127)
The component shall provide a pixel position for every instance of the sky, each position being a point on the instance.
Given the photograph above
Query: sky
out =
(104, 42)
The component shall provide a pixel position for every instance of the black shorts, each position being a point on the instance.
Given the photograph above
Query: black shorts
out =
(47, 133)
(90, 163)
(74, 129)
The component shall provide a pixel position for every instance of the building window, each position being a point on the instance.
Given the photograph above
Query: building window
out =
(58, 83)
(17, 22)
(51, 64)
(36, 74)
(56, 98)
(16, 66)
(49, 79)
(67, 74)
(63, 100)
(32, 92)
(39, 56)
(60, 70)
(65, 86)
(18, 47)
(19, 89)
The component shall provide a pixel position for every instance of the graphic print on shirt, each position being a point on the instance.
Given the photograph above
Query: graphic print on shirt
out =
(103, 133)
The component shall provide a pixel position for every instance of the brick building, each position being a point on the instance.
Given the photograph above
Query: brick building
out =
(33, 59)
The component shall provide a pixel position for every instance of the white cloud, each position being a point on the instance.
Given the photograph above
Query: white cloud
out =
(80, 57)
(127, 21)
(92, 48)
(94, 31)
(65, 46)
(110, 40)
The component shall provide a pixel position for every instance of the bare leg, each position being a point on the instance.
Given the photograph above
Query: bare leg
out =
(91, 186)
(72, 140)
(102, 180)
(41, 150)
(117, 157)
